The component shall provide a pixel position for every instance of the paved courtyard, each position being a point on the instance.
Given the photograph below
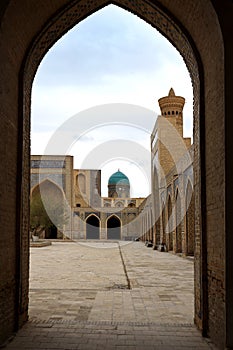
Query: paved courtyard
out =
(109, 295)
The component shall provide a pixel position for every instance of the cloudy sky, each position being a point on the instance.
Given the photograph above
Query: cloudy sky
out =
(111, 64)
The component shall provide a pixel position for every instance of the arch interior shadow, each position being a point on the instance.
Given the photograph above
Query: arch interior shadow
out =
(113, 228)
(92, 227)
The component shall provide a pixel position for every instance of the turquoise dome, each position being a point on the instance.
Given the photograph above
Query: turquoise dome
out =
(118, 178)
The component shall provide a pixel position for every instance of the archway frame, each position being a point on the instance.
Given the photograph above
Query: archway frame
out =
(49, 180)
(49, 34)
(168, 26)
(113, 215)
(58, 188)
(189, 205)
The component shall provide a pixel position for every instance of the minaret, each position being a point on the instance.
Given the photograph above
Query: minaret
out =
(171, 107)
(167, 142)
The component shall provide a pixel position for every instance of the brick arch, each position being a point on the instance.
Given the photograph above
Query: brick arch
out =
(163, 237)
(22, 25)
(119, 204)
(189, 218)
(114, 225)
(92, 227)
(49, 181)
(178, 229)
(153, 14)
(81, 182)
(169, 223)
(49, 195)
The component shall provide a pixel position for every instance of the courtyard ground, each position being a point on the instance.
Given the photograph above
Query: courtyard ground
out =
(109, 295)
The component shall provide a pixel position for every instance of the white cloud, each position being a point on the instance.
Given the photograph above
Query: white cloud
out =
(110, 57)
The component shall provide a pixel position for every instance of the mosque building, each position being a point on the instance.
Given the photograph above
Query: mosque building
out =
(90, 215)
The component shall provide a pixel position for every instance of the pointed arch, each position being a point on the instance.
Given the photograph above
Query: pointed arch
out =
(163, 238)
(81, 182)
(189, 222)
(92, 227)
(114, 227)
(178, 223)
(48, 207)
(170, 223)
(46, 182)
(49, 191)
(119, 204)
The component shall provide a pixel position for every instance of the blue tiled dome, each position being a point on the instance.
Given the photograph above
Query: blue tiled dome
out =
(118, 178)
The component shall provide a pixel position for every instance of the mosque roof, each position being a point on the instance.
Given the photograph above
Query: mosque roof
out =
(118, 178)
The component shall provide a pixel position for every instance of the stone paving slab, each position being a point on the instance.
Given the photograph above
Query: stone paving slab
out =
(108, 335)
(85, 282)
(79, 299)
(76, 266)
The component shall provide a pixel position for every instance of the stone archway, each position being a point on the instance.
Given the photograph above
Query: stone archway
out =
(113, 228)
(92, 227)
(189, 219)
(194, 29)
(48, 208)
(163, 225)
(170, 223)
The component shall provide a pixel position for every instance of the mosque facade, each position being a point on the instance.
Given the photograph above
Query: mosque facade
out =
(90, 216)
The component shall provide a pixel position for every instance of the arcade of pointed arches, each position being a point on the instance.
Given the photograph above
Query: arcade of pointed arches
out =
(112, 226)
